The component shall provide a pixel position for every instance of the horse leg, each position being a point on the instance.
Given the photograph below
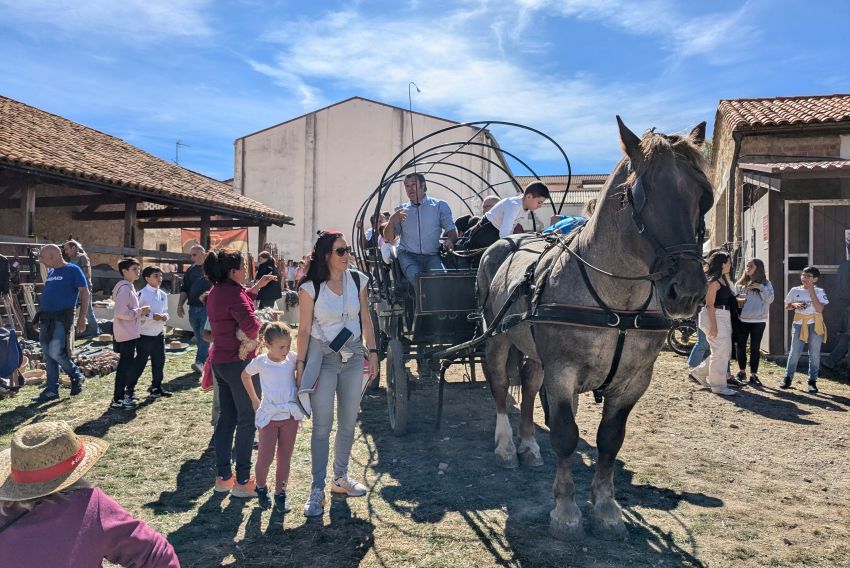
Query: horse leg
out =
(606, 516)
(565, 519)
(532, 379)
(496, 358)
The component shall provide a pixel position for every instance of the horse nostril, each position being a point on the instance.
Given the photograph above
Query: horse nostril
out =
(671, 293)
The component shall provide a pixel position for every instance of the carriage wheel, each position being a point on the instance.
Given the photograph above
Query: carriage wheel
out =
(397, 392)
(682, 337)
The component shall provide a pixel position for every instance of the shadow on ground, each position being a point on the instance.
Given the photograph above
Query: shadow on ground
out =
(210, 538)
(474, 487)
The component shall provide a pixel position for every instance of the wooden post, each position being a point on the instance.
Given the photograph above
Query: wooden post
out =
(28, 210)
(130, 223)
(262, 231)
(205, 231)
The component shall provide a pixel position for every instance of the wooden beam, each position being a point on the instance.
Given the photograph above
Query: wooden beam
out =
(63, 201)
(27, 202)
(169, 213)
(262, 235)
(205, 231)
(130, 223)
(195, 224)
(140, 253)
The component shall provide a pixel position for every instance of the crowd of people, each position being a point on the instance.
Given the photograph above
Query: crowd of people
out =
(263, 389)
(736, 313)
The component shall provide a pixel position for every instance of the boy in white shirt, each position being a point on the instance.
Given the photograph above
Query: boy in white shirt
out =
(808, 302)
(499, 222)
(151, 343)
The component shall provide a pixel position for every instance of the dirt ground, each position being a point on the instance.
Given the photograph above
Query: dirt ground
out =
(760, 479)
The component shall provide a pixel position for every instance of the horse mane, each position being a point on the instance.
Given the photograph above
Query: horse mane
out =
(658, 148)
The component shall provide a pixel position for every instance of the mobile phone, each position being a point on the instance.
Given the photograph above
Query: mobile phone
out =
(340, 339)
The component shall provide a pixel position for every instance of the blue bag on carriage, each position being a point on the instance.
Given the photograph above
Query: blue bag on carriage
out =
(11, 355)
(567, 224)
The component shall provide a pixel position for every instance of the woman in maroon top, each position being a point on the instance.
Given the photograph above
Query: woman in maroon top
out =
(50, 516)
(230, 309)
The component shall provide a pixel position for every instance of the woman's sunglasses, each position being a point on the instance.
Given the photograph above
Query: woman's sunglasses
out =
(342, 251)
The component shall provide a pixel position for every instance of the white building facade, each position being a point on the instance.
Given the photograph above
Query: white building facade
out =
(320, 167)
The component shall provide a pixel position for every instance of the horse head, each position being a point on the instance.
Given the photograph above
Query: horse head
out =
(669, 195)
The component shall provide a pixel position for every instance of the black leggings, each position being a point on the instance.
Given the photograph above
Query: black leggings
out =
(753, 331)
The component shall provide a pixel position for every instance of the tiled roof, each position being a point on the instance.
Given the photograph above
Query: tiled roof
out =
(785, 111)
(33, 138)
(577, 181)
(799, 167)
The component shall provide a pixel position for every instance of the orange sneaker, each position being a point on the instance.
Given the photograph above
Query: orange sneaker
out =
(224, 485)
(245, 490)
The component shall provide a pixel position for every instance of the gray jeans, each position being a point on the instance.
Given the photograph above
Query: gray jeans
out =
(345, 382)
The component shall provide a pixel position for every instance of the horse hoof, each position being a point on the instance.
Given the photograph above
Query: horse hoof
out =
(565, 531)
(608, 530)
(530, 459)
(507, 462)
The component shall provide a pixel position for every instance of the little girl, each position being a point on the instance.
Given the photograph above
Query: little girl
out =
(277, 415)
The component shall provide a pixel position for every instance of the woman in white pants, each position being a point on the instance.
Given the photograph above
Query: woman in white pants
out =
(715, 320)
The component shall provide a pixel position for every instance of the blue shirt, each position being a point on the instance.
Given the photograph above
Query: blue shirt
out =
(420, 232)
(62, 288)
(565, 225)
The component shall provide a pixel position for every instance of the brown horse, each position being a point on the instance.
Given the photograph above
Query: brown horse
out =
(647, 221)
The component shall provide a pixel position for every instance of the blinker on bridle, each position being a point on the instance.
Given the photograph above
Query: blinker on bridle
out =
(666, 261)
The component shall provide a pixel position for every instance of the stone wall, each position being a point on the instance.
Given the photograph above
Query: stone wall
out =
(55, 224)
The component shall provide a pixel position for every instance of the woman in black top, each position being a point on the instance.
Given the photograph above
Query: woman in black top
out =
(272, 292)
(715, 320)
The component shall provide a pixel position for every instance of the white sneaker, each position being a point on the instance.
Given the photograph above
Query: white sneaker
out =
(315, 505)
(349, 486)
(726, 391)
(198, 368)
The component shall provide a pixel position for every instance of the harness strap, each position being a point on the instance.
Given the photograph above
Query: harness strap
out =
(599, 394)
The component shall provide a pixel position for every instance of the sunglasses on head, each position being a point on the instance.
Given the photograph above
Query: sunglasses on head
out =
(342, 251)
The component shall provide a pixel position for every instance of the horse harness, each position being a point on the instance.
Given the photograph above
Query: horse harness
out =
(665, 264)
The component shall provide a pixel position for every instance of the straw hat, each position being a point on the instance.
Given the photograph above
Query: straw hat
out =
(45, 458)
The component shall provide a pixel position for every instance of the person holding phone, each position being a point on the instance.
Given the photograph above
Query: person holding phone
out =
(807, 301)
(126, 329)
(335, 322)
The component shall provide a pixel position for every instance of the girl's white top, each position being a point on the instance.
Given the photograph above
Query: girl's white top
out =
(332, 312)
(277, 380)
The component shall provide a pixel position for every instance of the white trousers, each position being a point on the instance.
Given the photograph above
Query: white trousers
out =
(713, 369)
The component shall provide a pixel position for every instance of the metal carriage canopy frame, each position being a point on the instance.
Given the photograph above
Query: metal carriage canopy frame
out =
(436, 155)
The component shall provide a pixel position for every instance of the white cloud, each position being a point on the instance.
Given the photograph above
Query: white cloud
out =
(718, 37)
(464, 76)
(125, 20)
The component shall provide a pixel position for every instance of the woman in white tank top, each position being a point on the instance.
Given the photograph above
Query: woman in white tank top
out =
(334, 324)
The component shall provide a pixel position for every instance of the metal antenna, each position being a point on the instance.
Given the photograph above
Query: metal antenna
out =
(413, 148)
(410, 108)
(177, 146)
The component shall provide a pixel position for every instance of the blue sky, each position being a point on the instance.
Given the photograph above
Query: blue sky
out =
(155, 71)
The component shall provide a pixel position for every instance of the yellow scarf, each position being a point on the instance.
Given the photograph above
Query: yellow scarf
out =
(806, 319)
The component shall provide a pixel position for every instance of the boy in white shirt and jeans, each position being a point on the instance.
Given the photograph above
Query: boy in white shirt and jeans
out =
(499, 222)
(808, 302)
(151, 343)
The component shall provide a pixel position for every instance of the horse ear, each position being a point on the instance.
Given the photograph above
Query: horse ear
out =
(630, 142)
(698, 134)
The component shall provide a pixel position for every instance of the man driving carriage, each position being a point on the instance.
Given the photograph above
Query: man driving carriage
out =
(419, 224)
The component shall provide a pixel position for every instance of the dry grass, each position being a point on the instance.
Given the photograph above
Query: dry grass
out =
(757, 480)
